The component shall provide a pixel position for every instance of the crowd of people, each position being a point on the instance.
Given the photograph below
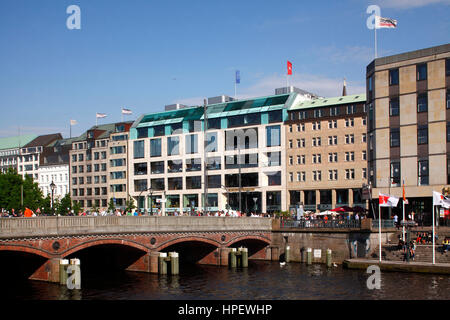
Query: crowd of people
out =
(157, 212)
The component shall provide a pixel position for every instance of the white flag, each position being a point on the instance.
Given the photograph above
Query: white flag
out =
(126, 111)
(385, 22)
(386, 200)
(440, 200)
(101, 115)
(73, 122)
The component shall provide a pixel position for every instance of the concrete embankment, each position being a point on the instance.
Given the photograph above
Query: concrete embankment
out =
(399, 266)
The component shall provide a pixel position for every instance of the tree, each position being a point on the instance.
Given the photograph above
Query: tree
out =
(129, 205)
(111, 205)
(64, 205)
(76, 207)
(19, 193)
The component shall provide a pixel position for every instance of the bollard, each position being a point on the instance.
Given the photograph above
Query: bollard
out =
(63, 265)
(162, 263)
(232, 260)
(329, 258)
(287, 254)
(309, 256)
(174, 263)
(74, 280)
(244, 257)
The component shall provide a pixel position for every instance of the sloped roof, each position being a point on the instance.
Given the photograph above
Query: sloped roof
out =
(16, 142)
(44, 140)
(326, 102)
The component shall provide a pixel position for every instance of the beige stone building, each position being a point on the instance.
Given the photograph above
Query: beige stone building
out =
(326, 152)
(91, 174)
(408, 126)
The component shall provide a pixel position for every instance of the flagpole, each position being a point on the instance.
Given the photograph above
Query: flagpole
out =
(434, 255)
(376, 53)
(379, 228)
(121, 114)
(403, 228)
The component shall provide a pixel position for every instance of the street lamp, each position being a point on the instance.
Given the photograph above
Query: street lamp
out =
(151, 200)
(53, 187)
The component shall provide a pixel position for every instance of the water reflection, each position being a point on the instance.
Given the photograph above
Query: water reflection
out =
(262, 280)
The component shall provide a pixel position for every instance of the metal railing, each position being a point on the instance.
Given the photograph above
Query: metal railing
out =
(384, 224)
(335, 224)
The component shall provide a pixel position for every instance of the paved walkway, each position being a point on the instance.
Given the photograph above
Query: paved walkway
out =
(399, 266)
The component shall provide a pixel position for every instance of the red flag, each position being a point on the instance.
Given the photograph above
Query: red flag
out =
(404, 197)
(289, 68)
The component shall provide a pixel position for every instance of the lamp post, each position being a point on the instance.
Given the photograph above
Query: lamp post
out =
(151, 200)
(53, 187)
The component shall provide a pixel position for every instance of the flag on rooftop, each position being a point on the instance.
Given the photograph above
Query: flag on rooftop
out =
(289, 68)
(73, 122)
(238, 76)
(381, 22)
(387, 200)
(101, 115)
(126, 111)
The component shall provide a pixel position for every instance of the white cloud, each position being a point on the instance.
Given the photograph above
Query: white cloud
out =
(406, 4)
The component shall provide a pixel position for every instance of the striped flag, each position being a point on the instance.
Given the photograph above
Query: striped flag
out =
(101, 115)
(440, 200)
(126, 111)
(386, 200)
(385, 23)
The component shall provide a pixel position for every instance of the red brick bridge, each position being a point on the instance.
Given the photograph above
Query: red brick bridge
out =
(34, 246)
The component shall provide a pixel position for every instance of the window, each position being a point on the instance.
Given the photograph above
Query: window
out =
(333, 157)
(395, 172)
(395, 137)
(155, 148)
(291, 177)
(364, 121)
(140, 185)
(74, 158)
(157, 167)
(317, 175)
(173, 146)
(351, 109)
(274, 158)
(211, 142)
(394, 107)
(364, 138)
(447, 67)
(350, 122)
(332, 174)
(316, 125)
(291, 162)
(316, 158)
(316, 142)
(103, 154)
(332, 140)
(447, 100)
(334, 111)
(422, 72)
(350, 156)
(332, 124)
(349, 138)
(302, 115)
(422, 102)
(96, 155)
(138, 149)
(423, 172)
(213, 163)
(175, 183)
(174, 166)
(318, 113)
(194, 182)
(350, 174)
(275, 116)
(273, 135)
(393, 77)
(140, 169)
(290, 144)
(364, 173)
(422, 134)
(214, 123)
(103, 165)
(364, 155)
(448, 131)
(80, 157)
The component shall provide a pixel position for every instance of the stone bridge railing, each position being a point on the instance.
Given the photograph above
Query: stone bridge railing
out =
(74, 226)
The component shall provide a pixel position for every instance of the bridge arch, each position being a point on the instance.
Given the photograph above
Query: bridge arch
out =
(104, 242)
(188, 239)
(26, 249)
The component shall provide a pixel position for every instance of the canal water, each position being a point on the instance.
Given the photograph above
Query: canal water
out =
(263, 280)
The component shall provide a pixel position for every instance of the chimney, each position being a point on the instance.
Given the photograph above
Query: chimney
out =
(344, 90)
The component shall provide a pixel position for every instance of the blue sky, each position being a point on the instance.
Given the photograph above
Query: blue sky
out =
(143, 54)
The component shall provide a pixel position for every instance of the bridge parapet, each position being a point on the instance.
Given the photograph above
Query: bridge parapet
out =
(69, 226)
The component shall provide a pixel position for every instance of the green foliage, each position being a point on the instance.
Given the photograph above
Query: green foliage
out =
(12, 187)
(63, 207)
(111, 205)
(76, 207)
(130, 205)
